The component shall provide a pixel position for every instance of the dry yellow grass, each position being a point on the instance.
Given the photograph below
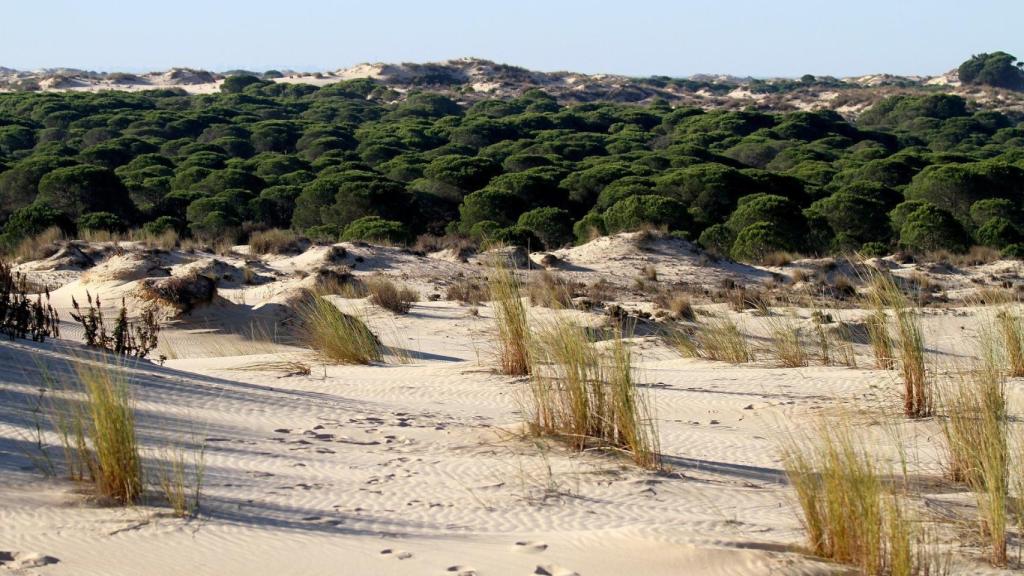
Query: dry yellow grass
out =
(273, 241)
(785, 343)
(390, 295)
(96, 426)
(339, 337)
(975, 430)
(588, 395)
(848, 514)
(510, 316)
(908, 344)
(715, 339)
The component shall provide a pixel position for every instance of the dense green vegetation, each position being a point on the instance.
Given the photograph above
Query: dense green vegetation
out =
(997, 69)
(352, 160)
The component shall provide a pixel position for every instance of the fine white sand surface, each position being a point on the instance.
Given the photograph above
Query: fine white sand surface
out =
(420, 465)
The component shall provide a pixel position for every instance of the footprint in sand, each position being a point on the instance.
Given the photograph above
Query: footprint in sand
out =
(553, 570)
(24, 560)
(401, 555)
(463, 570)
(529, 546)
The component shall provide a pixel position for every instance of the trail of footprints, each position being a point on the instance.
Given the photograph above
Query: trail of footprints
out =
(524, 546)
(372, 425)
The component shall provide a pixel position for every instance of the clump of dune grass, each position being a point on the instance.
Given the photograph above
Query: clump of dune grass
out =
(116, 464)
(39, 246)
(286, 366)
(273, 241)
(880, 339)
(908, 343)
(467, 291)
(588, 395)
(97, 429)
(848, 514)
(715, 339)
(974, 428)
(180, 478)
(677, 303)
(339, 337)
(549, 290)
(1011, 336)
(510, 316)
(834, 346)
(389, 295)
(785, 344)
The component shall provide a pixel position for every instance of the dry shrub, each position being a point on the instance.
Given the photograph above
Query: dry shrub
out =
(466, 291)
(549, 290)
(337, 336)
(678, 303)
(650, 273)
(42, 245)
(989, 295)
(127, 338)
(20, 316)
(426, 243)
(742, 298)
(848, 515)
(800, 275)
(976, 256)
(587, 395)
(600, 290)
(510, 316)
(273, 241)
(389, 295)
(777, 259)
(166, 240)
(338, 280)
(182, 292)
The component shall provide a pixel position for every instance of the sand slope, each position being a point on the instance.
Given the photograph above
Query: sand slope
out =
(419, 467)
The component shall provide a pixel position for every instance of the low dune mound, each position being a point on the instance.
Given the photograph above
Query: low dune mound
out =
(621, 258)
(186, 76)
(126, 267)
(217, 270)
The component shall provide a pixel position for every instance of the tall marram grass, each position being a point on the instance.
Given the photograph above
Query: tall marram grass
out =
(97, 431)
(785, 344)
(1011, 334)
(908, 344)
(975, 429)
(338, 336)
(510, 315)
(715, 339)
(587, 394)
(848, 513)
(180, 481)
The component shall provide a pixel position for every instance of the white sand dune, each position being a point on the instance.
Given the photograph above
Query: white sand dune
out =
(419, 467)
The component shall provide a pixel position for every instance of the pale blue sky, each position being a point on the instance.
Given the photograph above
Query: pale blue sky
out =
(639, 37)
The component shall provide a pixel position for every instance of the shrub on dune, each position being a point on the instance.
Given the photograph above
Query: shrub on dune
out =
(391, 296)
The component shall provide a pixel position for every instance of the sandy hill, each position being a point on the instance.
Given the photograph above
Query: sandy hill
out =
(470, 79)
